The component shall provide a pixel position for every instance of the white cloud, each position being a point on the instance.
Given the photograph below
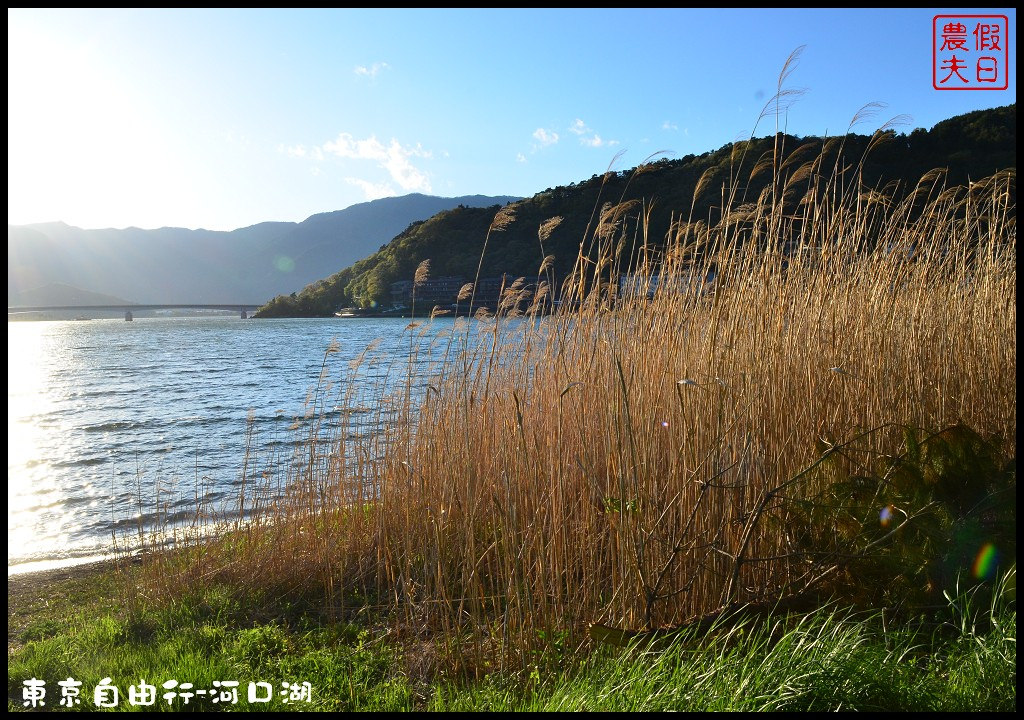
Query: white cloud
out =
(545, 137)
(579, 127)
(669, 126)
(520, 158)
(372, 191)
(595, 141)
(587, 135)
(301, 151)
(392, 157)
(372, 71)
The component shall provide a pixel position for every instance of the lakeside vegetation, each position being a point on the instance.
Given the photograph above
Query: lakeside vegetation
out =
(813, 409)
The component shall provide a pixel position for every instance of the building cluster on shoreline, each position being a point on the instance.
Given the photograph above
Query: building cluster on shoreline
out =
(488, 292)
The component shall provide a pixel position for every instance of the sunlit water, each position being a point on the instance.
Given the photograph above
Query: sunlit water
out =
(99, 410)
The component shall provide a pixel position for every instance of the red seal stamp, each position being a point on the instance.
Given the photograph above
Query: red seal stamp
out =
(970, 52)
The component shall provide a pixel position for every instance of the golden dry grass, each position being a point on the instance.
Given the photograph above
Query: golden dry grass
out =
(613, 461)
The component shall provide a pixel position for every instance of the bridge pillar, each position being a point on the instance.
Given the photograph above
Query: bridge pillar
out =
(244, 316)
(128, 315)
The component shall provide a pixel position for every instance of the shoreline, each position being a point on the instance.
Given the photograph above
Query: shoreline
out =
(66, 572)
(37, 566)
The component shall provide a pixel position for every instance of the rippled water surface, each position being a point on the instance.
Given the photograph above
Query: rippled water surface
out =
(98, 409)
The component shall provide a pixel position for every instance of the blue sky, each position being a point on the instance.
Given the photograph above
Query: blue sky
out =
(225, 118)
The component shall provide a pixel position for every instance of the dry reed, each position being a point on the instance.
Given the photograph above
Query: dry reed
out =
(622, 459)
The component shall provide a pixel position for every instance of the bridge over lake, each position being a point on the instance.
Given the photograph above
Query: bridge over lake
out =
(241, 308)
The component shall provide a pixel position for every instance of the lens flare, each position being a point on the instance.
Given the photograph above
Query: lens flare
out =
(885, 516)
(985, 562)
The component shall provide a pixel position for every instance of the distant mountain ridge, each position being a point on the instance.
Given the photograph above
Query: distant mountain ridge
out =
(61, 294)
(247, 265)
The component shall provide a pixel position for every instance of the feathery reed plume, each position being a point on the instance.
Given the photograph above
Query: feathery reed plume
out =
(797, 155)
(763, 163)
(543, 289)
(611, 217)
(865, 112)
(783, 99)
(648, 163)
(547, 227)
(802, 173)
(503, 218)
(422, 273)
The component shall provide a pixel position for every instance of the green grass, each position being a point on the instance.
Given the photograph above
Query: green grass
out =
(203, 639)
(829, 661)
(962, 658)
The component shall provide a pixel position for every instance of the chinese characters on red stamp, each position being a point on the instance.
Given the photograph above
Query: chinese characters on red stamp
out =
(970, 52)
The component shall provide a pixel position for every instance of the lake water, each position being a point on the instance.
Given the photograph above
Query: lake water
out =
(98, 409)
